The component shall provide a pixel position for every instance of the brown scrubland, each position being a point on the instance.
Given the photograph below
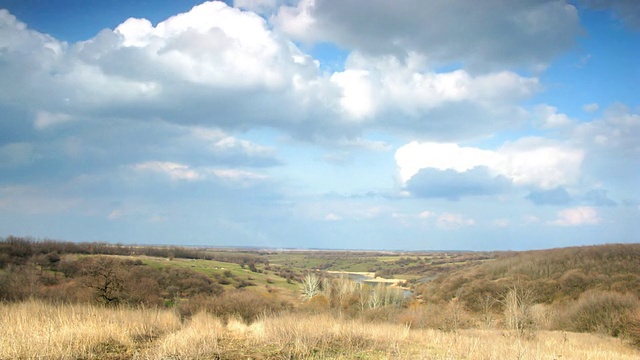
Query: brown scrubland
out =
(99, 301)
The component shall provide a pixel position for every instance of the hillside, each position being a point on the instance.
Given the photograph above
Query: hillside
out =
(553, 275)
(521, 298)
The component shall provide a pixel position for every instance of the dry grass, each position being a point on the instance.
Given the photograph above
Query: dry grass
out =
(197, 339)
(35, 329)
(326, 337)
(40, 331)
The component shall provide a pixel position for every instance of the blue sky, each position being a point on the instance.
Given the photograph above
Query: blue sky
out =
(418, 125)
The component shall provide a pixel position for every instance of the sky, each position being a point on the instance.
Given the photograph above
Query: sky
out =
(395, 125)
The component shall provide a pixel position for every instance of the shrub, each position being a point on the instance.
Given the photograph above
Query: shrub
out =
(633, 328)
(454, 316)
(246, 304)
(599, 311)
(543, 315)
(382, 314)
(18, 249)
(477, 295)
(186, 308)
(574, 282)
(316, 305)
(244, 283)
(69, 292)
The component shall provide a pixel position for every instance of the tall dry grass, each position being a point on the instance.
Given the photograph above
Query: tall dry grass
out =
(34, 330)
(197, 339)
(323, 336)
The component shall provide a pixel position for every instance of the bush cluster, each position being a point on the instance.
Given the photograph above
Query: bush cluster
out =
(605, 312)
(243, 304)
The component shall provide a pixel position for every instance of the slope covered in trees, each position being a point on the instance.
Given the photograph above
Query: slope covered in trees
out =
(584, 289)
(552, 275)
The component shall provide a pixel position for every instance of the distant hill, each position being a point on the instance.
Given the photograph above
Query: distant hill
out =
(552, 276)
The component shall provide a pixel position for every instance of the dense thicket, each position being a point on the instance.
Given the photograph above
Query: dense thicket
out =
(107, 274)
(556, 275)
(585, 289)
(106, 280)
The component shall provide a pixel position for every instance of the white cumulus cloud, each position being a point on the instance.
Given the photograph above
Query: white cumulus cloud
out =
(451, 221)
(550, 118)
(415, 156)
(529, 161)
(577, 216)
(174, 170)
(409, 94)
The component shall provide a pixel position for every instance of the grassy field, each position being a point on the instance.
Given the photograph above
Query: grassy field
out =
(88, 301)
(407, 265)
(36, 330)
(222, 269)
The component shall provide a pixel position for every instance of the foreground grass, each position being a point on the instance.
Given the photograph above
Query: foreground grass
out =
(34, 330)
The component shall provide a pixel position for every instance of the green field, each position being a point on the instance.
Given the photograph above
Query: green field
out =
(234, 273)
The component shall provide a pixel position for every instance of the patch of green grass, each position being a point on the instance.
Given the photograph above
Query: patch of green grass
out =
(222, 270)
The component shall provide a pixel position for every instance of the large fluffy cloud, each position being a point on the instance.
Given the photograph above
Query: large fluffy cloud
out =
(594, 157)
(214, 65)
(456, 30)
(407, 95)
(453, 185)
(222, 67)
(217, 66)
(534, 162)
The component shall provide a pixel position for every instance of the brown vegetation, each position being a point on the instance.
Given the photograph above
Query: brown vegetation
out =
(603, 312)
(16, 250)
(107, 280)
(36, 330)
(520, 296)
(593, 287)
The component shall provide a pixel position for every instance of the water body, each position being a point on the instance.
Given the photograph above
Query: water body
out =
(360, 278)
(370, 279)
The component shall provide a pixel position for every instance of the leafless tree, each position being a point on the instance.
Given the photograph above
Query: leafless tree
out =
(310, 285)
(104, 276)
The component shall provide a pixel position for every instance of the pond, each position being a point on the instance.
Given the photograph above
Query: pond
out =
(370, 279)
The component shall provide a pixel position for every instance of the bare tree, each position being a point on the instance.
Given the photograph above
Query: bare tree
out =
(103, 275)
(486, 307)
(518, 318)
(364, 292)
(345, 288)
(376, 297)
(310, 285)
(517, 310)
